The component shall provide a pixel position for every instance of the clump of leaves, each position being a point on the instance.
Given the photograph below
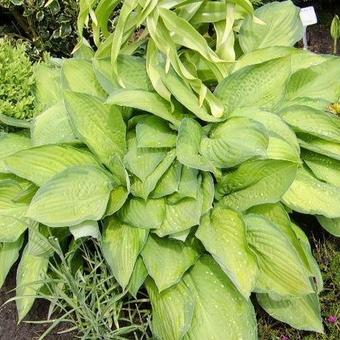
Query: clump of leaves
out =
(186, 162)
(50, 25)
(16, 81)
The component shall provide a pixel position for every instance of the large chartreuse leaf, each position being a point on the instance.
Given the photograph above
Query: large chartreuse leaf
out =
(321, 146)
(10, 143)
(167, 260)
(99, 126)
(12, 212)
(225, 146)
(9, 253)
(272, 122)
(39, 164)
(324, 168)
(172, 310)
(280, 149)
(315, 122)
(256, 182)
(117, 198)
(138, 277)
(319, 81)
(278, 216)
(48, 90)
(169, 182)
(131, 70)
(223, 235)
(312, 263)
(30, 278)
(281, 270)
(280, 26)
(73, 196)
(257, 86)
(52, 127)
(218, 305)
(154, 132)
(143, 189)
(78, 75)
(181, 215)
(188, 144)
(146, 101)
(147, 214)
(311, 196)
(299, 58)
(299, 312)
(332, 225)
(142, 161)
(121, 245)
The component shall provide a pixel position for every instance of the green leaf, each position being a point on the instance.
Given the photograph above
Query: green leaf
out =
(299, 312)
(75, 195)
(147, 214)
(167, 260)
(315, 122)
(52, 127)
(40, 164)
(138, 277)
(324, 168)
(145, 101)
(317, 81)
(181, 215)
(299, 58)
(172, 310)
(85, 229)
(312, 263)
(311, 196)
(218, 305)
(225, 146)
(10, 143)
(280, 149)
(319, 145)
(131, 70)
(223, 235)
(272, 122)
(169, 182)
(257, 86)
(142, 161)
(9, 253)
(256, 182)
(153, 132)
(117, 198)
(143, 189)
(121, 245)
(30, 278)
(12, 214)
(278, 216)
(281, 270)
(332, 225)
(78, 76)
(188, 145)
(99, 126)
(48, 90)
(281, 27)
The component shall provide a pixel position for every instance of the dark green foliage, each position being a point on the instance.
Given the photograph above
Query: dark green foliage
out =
(16, 81)
(49, 25)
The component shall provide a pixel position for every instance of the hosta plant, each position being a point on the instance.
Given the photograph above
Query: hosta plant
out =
(185, 163)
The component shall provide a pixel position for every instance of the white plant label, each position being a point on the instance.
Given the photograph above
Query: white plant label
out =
(308, 16)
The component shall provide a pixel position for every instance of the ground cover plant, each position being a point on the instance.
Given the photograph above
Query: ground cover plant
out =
(182, 142)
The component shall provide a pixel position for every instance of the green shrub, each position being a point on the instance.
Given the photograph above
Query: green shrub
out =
(184, 162)
(49, 25)
(16, 81)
